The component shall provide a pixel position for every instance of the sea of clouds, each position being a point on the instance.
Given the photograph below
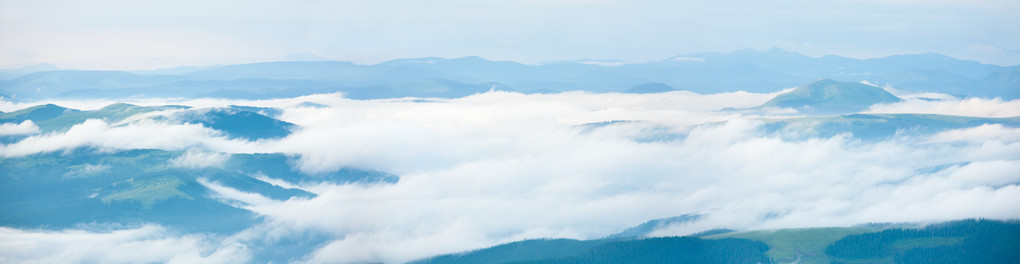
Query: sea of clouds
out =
(500, 167)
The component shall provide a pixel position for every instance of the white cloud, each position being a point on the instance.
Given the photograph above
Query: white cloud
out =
(196, 159)
(145, 244)
(26, 127)
(142, 134)
(980, 133)
(952, 106)
(499, 167)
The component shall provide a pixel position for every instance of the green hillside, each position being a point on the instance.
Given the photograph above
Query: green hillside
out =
(37, 114)
(962, 241)
(802, 245)
(64, 188)
(234, 122)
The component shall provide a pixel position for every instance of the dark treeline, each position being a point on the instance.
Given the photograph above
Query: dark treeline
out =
(673, 250)
(963, 241)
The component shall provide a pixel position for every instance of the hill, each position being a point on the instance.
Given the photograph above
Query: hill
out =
(234, 122)
(37, 114)
(962, 241)
(832, 97)
(84, 185)
(649, 250)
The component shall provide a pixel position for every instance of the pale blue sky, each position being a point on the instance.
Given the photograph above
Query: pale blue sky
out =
(121, 34)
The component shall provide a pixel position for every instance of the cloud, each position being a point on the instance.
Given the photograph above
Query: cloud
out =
(26, 127)
(144, 244)
(144, 134)
(952, 106)
(500, 167)
(979, 133)
(591, 185)
(196, 159)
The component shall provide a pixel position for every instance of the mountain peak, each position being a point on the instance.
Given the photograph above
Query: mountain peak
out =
(36, 113)
(827, 96)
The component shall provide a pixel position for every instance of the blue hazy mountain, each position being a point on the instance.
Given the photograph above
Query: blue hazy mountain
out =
(431, 88)
(50, 84)
(473, 69)
(649, 88)
(1004, 84)
(746, 70)
(8, 74)
(250, 88)
(351, 75)
(832, 97)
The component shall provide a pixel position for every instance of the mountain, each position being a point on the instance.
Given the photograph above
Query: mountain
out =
(961, 241)
(112, 114)
(85, 185)
(1003, 84)
(8, 74)
(964, 241)
(50, 84)
(37, 114)
(703, 77)
(830, 97)
(649, 88)
(428, 88)
(647, 228)
(236, 123)
(745, 70)
(313, 70)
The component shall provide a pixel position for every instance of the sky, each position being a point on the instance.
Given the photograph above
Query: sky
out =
(136, 35)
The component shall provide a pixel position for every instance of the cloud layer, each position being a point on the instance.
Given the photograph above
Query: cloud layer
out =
(500, 167)
(145, 244)
(26, 127)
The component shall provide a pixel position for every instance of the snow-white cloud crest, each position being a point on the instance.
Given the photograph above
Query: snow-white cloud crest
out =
(196, 159)
(144, 244)
(26, 127)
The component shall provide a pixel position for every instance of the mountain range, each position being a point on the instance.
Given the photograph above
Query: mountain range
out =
(746, 70)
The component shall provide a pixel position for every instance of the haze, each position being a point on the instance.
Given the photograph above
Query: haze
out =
(131, 35)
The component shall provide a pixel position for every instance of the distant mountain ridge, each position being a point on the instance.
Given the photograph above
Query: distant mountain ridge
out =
(745, 70)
